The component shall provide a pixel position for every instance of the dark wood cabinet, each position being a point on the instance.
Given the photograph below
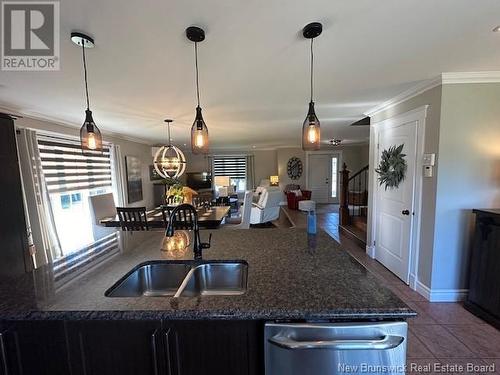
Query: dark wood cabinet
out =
(131, 347)
(13, 253)
(218, 347)
(124, 347)
(34, 347)
(484, 295)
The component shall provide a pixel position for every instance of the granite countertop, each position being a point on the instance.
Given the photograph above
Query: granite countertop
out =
(290, 276)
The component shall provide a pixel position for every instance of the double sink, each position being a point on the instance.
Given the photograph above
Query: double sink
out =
(182, 279)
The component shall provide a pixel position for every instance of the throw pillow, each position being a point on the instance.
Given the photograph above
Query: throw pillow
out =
(297, 192)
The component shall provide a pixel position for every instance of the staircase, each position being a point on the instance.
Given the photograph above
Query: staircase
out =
(354, 202)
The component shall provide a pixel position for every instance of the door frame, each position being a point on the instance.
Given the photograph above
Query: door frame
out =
(418, 115)
(329, 152)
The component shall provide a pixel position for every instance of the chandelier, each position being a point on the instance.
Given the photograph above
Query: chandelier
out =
(169, 161)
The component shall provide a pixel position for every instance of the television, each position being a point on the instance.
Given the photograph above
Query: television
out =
(199, 180)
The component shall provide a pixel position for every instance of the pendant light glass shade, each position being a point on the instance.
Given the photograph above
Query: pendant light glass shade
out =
(90, 135)
(199, 134)
(311, 131)
(169, 161)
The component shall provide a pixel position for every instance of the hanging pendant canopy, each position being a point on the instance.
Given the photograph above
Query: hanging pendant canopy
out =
(169, 160)
(311, 128)
(90, 135)
(199, 130)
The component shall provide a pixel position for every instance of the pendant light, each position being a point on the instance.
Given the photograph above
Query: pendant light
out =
(90, 135)
(169, 161)
(199, 130)
(311, 132)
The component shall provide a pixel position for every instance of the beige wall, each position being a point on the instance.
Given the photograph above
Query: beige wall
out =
(432, 98)
(128, 148)
(469, 175)
(463, 130)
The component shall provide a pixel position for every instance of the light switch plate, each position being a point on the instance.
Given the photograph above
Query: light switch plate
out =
(429, 160)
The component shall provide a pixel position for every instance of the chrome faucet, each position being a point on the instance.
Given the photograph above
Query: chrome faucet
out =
(189, 214)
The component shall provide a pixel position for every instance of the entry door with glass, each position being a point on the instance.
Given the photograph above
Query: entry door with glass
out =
(323, 177)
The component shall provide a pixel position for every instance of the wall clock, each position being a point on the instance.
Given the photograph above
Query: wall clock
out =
(294, 168)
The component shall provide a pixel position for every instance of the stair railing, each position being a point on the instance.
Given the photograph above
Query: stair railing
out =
(353, 194)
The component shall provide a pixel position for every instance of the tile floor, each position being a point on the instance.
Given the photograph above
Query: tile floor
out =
(444, 338)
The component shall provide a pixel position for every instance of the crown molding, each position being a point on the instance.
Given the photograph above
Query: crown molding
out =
(470, 77)
(418, 89)
(449, 78)
(70, 126)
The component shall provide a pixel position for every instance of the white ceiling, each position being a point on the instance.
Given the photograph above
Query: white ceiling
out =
(253, 64)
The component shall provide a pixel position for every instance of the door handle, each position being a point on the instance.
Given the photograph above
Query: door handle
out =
(385, 343)
(153, 349)
(3, 351)
(405, 212)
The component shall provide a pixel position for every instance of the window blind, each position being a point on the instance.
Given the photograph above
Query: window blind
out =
(66, 169)
(232, 166)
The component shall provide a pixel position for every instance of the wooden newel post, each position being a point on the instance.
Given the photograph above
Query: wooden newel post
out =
(344, 196)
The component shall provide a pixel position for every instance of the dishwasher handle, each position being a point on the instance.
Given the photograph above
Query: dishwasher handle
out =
(385, 343)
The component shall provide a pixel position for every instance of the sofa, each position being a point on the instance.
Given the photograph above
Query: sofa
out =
(267, 208)
(293, 197)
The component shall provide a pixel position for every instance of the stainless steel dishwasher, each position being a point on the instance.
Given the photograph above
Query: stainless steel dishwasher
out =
(335, 348)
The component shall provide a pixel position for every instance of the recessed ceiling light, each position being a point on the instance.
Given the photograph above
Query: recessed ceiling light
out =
(254, 146)
(497, 29)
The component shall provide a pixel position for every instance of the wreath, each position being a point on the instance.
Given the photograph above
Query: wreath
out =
(392, 167)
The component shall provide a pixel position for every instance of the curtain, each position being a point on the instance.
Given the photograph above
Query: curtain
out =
(41, 229)
(250, 175)
(118, 176)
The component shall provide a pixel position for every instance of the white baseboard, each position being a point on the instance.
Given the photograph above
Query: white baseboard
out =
(441, 295)
(370, 251)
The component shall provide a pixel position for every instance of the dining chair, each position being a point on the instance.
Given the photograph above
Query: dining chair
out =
(184, 218)
(132, 218)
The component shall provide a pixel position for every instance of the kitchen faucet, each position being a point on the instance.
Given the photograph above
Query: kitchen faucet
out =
(187, 217)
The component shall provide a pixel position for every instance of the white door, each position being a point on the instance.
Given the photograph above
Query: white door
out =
(322, 177)
(395, 206)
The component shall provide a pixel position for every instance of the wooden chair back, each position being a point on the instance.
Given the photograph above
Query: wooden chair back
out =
(184, 218)
(132, 218)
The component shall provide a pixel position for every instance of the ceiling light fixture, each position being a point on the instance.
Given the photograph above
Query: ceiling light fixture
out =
(311, 132)
(335, 141)
(199, 130)
(90, 135)
(169, 161)
(497, 29)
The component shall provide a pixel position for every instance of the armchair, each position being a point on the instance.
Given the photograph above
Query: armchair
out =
(267, 208)
(294, 199)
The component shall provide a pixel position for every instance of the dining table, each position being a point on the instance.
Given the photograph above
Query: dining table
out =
(209, 218)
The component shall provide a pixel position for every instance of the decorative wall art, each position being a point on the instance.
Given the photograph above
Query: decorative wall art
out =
(133, 169)
(392, 167)
(294, 168)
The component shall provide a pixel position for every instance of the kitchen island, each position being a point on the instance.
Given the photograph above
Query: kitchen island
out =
(292, 277)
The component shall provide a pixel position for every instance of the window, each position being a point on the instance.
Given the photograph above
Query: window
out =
(71, 179)
(233, 166)
(335, 173)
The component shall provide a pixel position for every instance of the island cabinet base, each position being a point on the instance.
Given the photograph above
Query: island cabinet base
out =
(131, 347)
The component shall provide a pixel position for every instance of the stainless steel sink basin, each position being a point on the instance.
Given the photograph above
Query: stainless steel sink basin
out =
(215, 279)
(182, 279)
(150, 279)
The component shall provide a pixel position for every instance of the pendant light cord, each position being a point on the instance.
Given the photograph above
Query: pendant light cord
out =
(196, 65)
(168, 132)
(85, 73)
(312, 63)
